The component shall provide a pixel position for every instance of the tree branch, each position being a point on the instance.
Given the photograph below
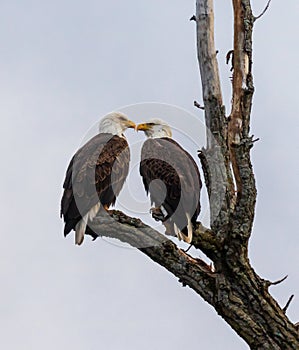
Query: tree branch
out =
(241, 294)
(288, 303)
(192, 272)
(197, 105)
(275, 283)
(227, 294)
(265, 9)
(240, 143)
(220, 177)
(208, 65)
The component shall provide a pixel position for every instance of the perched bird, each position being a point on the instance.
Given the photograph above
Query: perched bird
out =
(171, 177)
(96, 174)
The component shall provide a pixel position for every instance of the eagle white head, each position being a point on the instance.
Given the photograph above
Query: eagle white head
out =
(155, 128)
(115, 123)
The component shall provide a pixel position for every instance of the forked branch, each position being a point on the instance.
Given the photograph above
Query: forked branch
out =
(240, 142)
(219, 178)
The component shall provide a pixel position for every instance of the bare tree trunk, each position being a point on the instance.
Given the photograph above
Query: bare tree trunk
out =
(242, 296)
(232, 287)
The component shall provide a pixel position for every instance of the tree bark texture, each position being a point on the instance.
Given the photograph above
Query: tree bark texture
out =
(231, 286)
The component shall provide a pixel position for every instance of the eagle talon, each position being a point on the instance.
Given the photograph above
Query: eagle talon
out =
(106, 207)
(157, 214)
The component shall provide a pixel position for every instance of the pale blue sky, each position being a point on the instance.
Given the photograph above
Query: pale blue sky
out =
(64, 64)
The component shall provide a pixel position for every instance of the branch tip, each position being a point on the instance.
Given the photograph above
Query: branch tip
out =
(288, 303)
(230, 57)
(197, 105)
(277, 282)
(265, 10)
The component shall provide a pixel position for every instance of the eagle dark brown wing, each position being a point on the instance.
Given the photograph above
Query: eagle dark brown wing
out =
(95, 174)
(165, 160)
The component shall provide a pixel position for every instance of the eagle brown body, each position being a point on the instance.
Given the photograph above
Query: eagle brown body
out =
(96, 175)
(177, 190)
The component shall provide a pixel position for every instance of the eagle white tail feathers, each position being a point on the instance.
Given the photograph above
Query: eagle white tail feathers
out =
(190, 230)
(81, 225)
(181, 235)
(80, 230)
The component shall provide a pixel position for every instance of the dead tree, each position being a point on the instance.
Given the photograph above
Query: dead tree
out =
(232, 286)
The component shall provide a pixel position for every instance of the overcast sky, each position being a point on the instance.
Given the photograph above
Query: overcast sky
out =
(64, 64)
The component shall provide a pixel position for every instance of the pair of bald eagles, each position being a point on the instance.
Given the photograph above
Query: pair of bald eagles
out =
(98, 170)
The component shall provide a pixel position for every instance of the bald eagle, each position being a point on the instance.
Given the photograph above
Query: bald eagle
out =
(171, 177)
(96, 174)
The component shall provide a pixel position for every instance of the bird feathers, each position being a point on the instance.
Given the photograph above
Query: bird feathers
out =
(95, 174)
(165, 160)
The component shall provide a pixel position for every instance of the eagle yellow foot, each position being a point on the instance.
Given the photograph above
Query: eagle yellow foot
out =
(105, 210)
(157, 214)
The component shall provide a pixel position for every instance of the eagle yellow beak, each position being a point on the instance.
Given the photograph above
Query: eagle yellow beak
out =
(131, 124)
(143, 127)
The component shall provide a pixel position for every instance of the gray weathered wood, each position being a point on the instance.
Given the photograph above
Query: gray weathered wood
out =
(231, 285)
